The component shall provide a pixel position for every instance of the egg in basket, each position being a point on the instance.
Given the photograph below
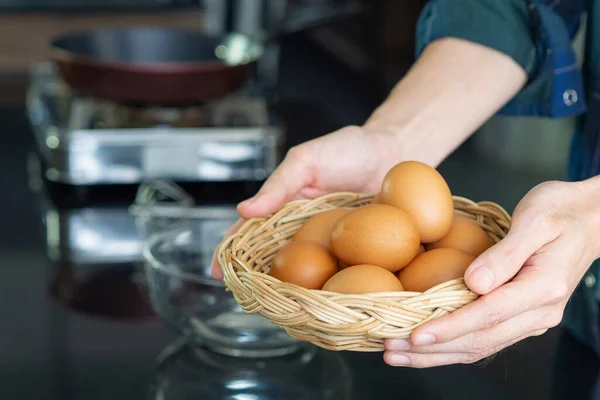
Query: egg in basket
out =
(346, 271)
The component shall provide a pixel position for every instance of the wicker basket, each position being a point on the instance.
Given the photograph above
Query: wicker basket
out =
(331, 320)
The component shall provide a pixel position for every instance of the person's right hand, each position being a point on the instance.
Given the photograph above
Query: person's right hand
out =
(351, 159)
(453, 88)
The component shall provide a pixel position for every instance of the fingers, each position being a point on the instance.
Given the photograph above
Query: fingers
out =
(503, 303)
(501, 262)
(483, 340)
(215, 267)
(417, 360)
(290, 179)
(293, 174)
(423, 360)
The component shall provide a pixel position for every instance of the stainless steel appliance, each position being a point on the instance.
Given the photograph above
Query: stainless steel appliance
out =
(87, 141)
(223, 149)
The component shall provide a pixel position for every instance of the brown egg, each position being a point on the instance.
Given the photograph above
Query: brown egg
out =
(464, 235)
(361, 279)
(420, 251)
(433, 268)
(376, 234)
(318, 227)
(423, 193)
(304, 263)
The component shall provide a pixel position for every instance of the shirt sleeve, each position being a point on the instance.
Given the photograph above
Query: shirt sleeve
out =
(531, 32)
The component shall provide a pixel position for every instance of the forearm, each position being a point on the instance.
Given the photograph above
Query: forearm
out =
(452, 89)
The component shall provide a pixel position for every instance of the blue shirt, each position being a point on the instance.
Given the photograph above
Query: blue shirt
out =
(537, 34)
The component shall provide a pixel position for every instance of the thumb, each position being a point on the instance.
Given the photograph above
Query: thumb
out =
(502, 262)
(293, 174)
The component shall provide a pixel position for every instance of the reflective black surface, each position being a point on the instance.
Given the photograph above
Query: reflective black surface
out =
(85, 332)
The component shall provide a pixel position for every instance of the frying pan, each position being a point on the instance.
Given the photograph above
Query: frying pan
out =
(154, 65)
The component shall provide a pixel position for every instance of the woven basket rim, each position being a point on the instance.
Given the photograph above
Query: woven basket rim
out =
(304, 202)
(338, 321)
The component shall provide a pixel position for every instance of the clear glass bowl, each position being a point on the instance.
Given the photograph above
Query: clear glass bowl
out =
(310, 373)
(184, 295)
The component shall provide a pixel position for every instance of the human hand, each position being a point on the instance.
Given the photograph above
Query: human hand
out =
(454, 87)
(553, 240)
(351, 159)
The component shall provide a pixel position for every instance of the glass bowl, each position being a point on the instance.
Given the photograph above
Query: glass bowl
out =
(189, 300)
(310, 373)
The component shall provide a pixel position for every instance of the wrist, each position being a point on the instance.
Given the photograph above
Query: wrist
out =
(394, 118)
(412, 139)
(384, 147)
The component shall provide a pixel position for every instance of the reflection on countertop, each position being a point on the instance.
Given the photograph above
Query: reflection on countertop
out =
(309, 373)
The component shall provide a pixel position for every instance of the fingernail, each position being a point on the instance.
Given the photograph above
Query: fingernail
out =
(398, 344)
(247, 202)
(399, 359)
(423, 339)
(481, 277)
(251, 200)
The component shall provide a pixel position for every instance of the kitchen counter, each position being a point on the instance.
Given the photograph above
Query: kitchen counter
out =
(65, 336)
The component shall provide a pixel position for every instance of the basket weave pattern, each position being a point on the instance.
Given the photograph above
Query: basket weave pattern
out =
(331, 320)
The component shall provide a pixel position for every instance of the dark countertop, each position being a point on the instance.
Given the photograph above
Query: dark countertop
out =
(51, 351)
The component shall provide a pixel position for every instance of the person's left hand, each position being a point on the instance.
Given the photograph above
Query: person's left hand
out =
(553, 239)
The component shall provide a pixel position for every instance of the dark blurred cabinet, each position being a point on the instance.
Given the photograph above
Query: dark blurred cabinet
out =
(379, 43)
(397, 35)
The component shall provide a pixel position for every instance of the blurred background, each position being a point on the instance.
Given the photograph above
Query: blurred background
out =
(115, 195)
